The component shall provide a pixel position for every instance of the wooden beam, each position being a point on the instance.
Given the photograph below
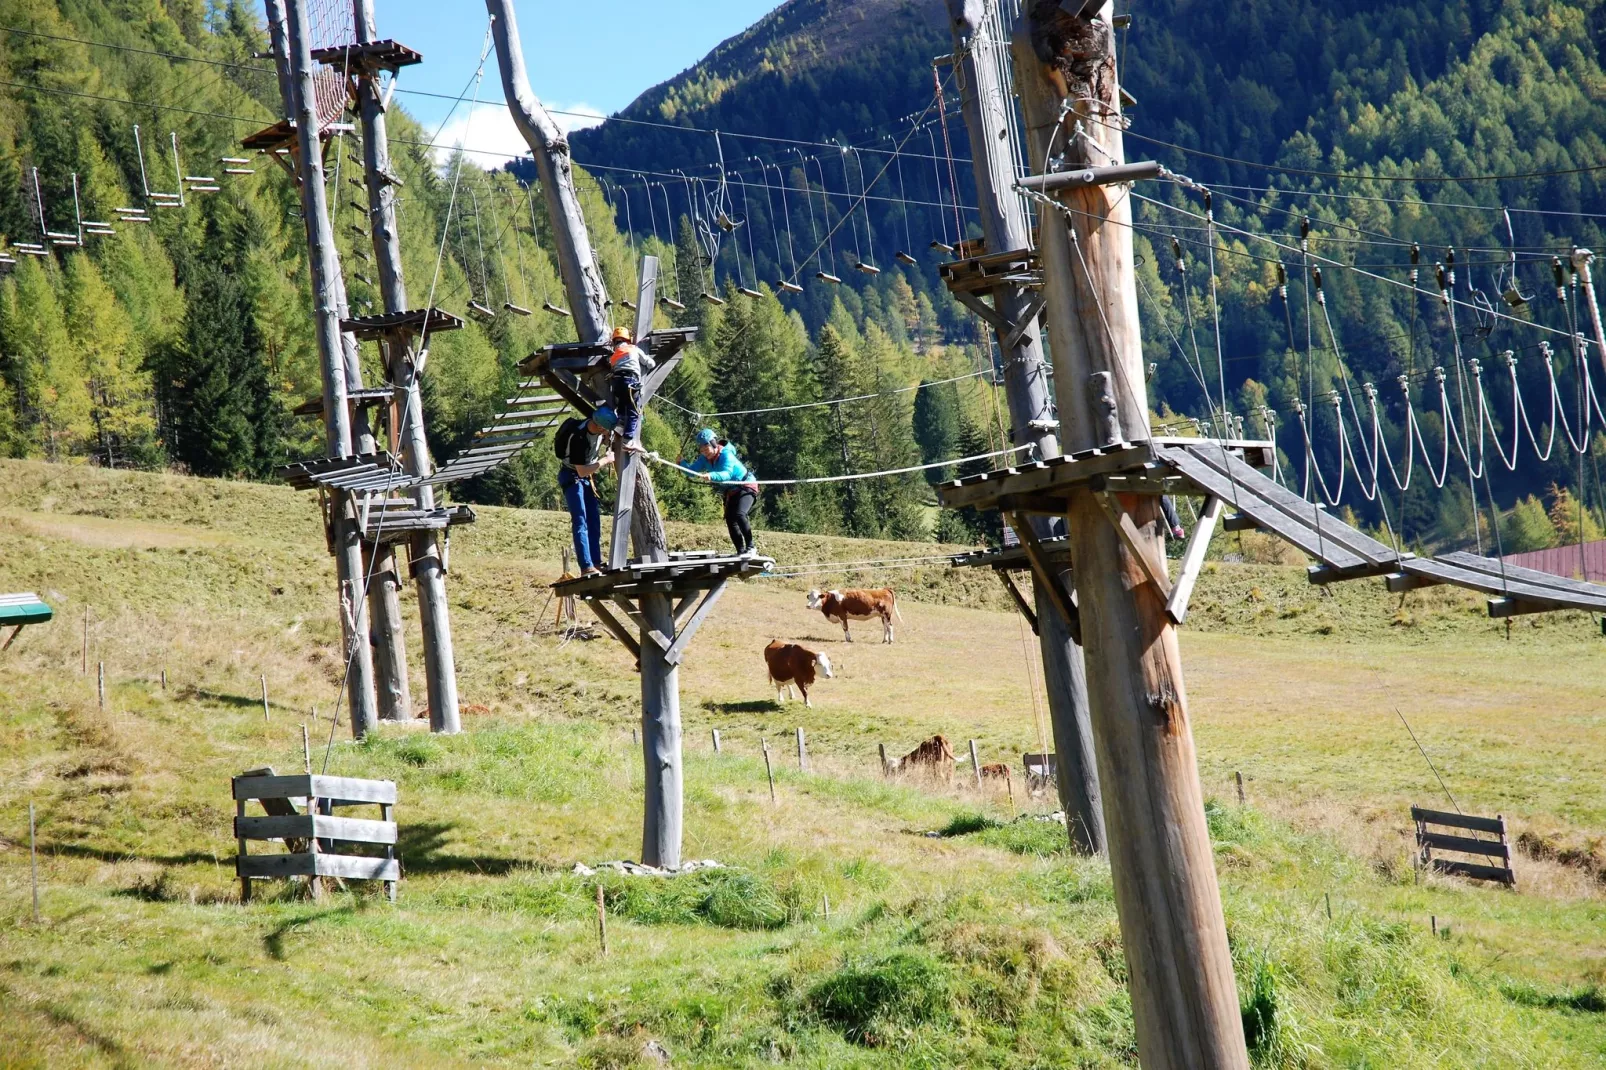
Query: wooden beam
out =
(1132, 539)
(688, 631)
(993, 319)
(1027, 320)
(655, 634)
(1044, 571)
(624, 507)
(1176, 606)
(1020, 601)
(610, 622)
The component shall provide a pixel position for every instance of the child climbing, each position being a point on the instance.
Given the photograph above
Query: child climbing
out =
(717, 462)
(625, 368)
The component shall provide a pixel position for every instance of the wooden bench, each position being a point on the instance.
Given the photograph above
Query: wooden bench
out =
(17, 611)
(1483, 847)
(300, 811)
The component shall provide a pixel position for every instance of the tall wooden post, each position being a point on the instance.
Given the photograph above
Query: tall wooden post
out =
(327, 312)
(986, 107)
(440, 667)
(1184, 1001)
(587, 295)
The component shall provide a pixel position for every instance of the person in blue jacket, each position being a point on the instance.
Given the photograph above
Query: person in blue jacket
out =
(717, 462)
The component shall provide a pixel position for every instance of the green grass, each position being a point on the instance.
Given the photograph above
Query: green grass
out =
(839, 933)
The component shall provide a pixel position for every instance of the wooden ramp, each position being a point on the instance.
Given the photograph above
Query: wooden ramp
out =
(1224, 473)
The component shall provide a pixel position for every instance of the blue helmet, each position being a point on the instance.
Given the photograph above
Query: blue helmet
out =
(605, 418)
(706, 437)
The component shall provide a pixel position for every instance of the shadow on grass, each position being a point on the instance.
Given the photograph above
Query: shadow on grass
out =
(419, 848)
(239, 702)
(754, 705)
(100, 854)
(274, 941)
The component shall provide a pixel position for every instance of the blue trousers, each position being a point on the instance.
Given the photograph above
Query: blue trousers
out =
(585, 518)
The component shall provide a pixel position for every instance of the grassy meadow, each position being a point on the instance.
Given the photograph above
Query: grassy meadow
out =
(858, 921)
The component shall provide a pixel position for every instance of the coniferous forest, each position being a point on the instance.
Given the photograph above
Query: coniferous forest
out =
(186, 343)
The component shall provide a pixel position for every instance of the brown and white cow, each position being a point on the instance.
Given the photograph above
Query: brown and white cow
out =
(792, 665)
(935, 755)
(858, 604)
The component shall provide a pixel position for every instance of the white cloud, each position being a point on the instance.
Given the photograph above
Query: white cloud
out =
(490, 137)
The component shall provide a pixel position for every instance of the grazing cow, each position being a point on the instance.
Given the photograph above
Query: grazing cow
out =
(995, 771)
(935, 754)
(857, 604)
(790, 665)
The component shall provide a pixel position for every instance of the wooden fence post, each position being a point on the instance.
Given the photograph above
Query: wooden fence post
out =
(306, 750)
(264, 699)
(101, 685)
(802, 752)
(716, 741)
(769, 769)
(975, 764)
(83, 666)
(886, 770)
(33, 861)
(1240, 778)
(602, 920)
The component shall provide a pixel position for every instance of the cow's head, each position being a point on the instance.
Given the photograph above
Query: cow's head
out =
(815, 598)
(825, 665)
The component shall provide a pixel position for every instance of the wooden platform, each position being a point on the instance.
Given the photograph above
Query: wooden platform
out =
(366, 472)
(695, 579)
(396, 520)
(989, 271)
(687, 570)
(371, 57)
(415, 321)
(1013, 558)
(580, 357)
(313, 406)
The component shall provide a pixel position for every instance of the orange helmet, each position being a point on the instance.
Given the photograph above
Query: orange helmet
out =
(621, 334)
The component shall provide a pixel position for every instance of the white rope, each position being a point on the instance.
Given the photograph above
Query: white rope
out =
(838, 479)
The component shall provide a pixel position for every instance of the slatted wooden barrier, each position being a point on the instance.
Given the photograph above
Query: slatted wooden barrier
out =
(300, 811)
(1428, 841)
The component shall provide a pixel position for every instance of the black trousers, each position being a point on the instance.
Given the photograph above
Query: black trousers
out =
(738, 503)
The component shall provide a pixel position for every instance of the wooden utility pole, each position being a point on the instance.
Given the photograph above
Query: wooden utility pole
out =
(402, 360)
(1184, 1001)
(985, 103)
(636, 510)
(328, 309)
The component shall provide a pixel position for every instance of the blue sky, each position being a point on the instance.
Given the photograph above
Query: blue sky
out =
(590, 56)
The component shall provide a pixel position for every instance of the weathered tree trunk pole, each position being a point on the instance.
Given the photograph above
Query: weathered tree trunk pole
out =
(327, 313)
(440, 665)
(389, 646)
(1184, 1001)
(986, 107)
(587, 294)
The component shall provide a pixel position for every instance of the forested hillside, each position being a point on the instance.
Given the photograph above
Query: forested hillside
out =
(187, 342)
(1299, 95)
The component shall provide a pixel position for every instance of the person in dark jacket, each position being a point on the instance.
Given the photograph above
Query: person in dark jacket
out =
(717, 462)
(580, 444)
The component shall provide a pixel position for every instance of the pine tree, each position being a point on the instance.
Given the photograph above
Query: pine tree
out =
(1527, 527)
(936, 426)
(225, 420)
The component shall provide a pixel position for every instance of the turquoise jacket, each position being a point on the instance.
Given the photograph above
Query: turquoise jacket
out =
(728, 469)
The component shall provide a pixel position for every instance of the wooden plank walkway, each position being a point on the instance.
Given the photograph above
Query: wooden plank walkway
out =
(1226, 471)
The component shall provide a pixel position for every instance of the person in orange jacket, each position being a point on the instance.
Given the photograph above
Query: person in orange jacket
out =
(626, 365)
